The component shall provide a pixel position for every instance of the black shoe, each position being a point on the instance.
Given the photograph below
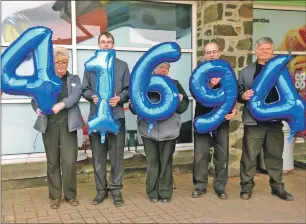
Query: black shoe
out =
(117, 199)
(99, 199)
(197, 193)
(154, 200)
(166, 200)
(245, 195)
(282, 194)
(221, 195)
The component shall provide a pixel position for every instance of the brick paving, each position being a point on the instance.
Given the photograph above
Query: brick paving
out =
(32, 205)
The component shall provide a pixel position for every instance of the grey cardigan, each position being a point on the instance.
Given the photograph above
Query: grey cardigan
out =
(166, 129)
(245, 81)
(75, 120)
(122, 78)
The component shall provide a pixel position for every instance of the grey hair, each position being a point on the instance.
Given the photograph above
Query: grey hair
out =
(212, 42)
(263, 40)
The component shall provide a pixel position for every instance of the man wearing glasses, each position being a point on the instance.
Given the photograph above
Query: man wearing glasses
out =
(114, 144)
(219, 138)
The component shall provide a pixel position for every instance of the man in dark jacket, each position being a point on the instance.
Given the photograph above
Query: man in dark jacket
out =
(267, 135)
(202, 142)
(114, 144)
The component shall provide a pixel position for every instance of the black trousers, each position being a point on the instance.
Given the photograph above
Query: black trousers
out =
(202, 143)
(61, 148)
(114, 144)
(159, 156)
(270, 137)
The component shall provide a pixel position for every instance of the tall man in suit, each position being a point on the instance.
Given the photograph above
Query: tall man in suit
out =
(114, 144)
(258, 134)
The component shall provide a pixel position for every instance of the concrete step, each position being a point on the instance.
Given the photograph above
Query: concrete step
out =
(27, 171)
(33, 174)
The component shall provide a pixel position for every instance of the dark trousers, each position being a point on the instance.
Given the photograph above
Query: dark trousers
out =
(114, 144)
(270, 137)
(159, 156)
(61, 148)
(202, 143)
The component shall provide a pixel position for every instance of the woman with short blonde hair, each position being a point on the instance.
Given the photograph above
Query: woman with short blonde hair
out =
(61, 53)
(59, 132)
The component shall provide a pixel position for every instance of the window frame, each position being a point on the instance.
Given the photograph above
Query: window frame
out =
(74, 48)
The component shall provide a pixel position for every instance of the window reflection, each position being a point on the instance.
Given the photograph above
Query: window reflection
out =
(134, 23)
(18, 16)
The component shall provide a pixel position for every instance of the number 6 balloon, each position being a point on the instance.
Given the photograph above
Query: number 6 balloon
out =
(142, 81)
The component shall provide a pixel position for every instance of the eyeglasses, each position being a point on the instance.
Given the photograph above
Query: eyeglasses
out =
(211, 52)
(61, 63)
(106, 42)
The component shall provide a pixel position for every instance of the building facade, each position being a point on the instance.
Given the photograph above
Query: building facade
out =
(137, 26)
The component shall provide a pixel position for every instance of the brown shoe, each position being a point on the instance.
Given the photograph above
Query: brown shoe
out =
(55, 204)
(73, 202)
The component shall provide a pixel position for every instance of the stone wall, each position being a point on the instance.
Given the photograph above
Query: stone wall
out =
(230, 24)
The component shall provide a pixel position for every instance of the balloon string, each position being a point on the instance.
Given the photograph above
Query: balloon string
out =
(102, 138)
(150, 128)
(34, 147)
(290, 137)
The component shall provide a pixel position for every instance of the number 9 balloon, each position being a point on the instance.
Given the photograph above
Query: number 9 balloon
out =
(223, 99)
(142, 81)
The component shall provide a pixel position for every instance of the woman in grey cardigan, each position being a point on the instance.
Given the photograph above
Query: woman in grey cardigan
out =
(159, 145)
(59, 132)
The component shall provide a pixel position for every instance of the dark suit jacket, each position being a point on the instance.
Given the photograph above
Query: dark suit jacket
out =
(245, 81)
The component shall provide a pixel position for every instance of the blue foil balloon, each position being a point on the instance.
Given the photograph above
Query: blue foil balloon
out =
(290, 106)
(44, 85)
(142, 81)
(103, 64)
(223, 99)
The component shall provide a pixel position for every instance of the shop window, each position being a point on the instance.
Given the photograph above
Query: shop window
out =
(139, 24)
(18, 16)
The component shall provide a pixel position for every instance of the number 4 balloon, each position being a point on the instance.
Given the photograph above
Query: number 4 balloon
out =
(44, 85)
(289, 107)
